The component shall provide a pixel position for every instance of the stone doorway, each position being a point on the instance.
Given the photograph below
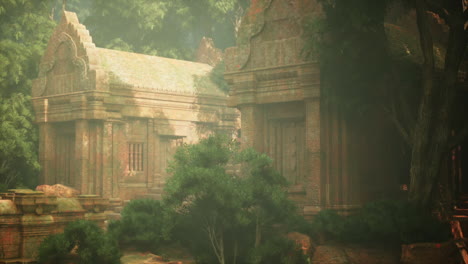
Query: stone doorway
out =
(65, 154)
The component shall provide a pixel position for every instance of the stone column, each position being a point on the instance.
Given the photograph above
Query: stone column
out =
(252, 121)
(118, 153)
(149, 161)
(46, 153)
(107, 159)
(313, 154)
(82, 155)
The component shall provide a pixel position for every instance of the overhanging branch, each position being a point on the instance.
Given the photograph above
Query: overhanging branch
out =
(403, 132)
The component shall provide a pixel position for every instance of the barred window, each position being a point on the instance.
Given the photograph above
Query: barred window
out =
(135, 156)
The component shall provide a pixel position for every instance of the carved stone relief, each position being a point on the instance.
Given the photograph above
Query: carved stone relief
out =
(46, 69)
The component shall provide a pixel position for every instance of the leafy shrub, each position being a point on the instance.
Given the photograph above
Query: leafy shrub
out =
(383, 221)
(328, 223)
(221, 215)
(142, 225)
(54, 249)
(93, 245)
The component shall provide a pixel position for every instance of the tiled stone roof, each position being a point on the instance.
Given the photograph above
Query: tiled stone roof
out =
(142, 71)
(125, 69)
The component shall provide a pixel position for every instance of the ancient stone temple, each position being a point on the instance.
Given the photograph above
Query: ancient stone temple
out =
(286, 114)
(110, 120)
(278, 94)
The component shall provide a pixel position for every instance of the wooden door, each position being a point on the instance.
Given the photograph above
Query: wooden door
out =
(286, 146)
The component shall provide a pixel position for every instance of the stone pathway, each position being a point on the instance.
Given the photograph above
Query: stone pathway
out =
(337, 254)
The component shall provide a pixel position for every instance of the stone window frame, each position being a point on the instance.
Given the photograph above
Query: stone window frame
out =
(136, 157)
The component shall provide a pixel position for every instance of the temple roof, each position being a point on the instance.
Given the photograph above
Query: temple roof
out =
(126, 70)
(156, 73)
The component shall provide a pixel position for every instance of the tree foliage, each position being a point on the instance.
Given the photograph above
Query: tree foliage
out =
(383, 222)
(168, 28)
(18, 142)
(93, 245)
(230, 212)
(353, 53)
(143, 225)
(25, 28)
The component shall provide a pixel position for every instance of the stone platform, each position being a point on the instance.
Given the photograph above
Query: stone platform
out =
(27, 217)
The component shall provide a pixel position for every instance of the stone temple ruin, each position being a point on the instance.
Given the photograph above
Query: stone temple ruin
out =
(109, 120)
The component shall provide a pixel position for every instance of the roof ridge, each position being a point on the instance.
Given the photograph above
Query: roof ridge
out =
(149, 55)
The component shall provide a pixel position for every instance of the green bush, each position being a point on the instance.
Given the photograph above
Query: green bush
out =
(93, 245)
(390, 222)
(221, 215)
(142, 225)
(54, 249)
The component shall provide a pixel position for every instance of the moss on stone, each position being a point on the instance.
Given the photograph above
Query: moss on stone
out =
(32, 219)
(88, 196)
(68, 205)
(25, 191)
(7, 207)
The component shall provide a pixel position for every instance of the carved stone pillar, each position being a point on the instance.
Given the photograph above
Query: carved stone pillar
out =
(82, 155)
(313, 152)
(46, 153)
(252, 126)
(150, 162)
(119, 149)
(107, 159)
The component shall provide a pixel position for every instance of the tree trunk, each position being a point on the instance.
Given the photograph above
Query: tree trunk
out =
(421, 133)
(258, 234)
(431, 133)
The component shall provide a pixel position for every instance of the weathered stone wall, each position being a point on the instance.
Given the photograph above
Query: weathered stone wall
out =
(28, 217)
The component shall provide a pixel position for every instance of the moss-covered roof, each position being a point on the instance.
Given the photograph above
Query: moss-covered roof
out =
(127, 69)
(156, 73)
(25, 192)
